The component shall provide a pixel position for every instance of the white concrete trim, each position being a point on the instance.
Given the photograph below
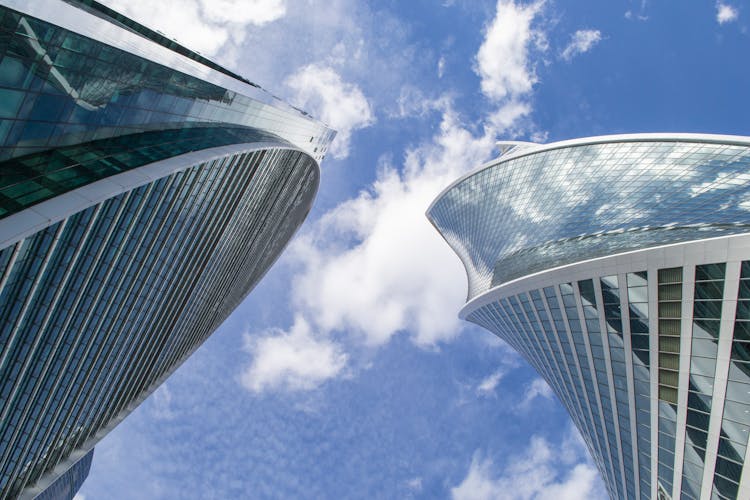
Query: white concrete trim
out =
(671, 255)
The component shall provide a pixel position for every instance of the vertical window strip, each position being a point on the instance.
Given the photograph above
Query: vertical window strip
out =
(551, 376)
(565, 387)
(611, 322)
(577, 319)
(596, 350)
(641, 488)
(669, 296)
(700, 382)
(735, 419)
(568, 360)
(569, 312)
(638, 323)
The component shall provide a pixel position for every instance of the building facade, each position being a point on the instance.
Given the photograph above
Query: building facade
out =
(619, 267)
(144, 191)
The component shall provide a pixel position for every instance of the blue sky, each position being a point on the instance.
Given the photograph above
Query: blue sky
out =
(346, 373)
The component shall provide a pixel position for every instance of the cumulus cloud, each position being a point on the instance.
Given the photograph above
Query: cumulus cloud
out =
(294, 360)
(503, 59)
(203, 25)
(725, 13)
(542, 472)
(342, 105)
(374, 266)
(582, 41)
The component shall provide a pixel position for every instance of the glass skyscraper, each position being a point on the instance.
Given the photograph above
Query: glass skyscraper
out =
(619, 267)
(144, 191)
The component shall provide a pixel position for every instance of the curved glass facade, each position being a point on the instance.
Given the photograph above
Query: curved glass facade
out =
(95, 310)
(617, 268)
(144, 191)
(58, 87)
(614, 194)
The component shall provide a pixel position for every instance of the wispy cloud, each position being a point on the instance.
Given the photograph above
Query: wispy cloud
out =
(488, 385)
(726, 13)
(342, 105)
(542, 472)
(582, 41)
(161, 408)
(537, 389)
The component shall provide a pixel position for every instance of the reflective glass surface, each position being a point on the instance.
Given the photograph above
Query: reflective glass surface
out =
(58, 87)
(33, 178)
(70, 482)
(602, 400)
(96, 309)
(557, 206)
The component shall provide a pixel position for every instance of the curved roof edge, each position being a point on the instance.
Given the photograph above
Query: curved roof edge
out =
(20, 225)
(739, 140)
(70, 16)
(491, 295)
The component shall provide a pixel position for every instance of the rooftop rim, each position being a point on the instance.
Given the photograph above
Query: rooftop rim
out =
(738, 140)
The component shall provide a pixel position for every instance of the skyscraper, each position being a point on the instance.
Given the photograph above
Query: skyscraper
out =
(619, 267)
(144, 191)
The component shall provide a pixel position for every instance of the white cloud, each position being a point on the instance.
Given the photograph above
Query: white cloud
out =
(542, 472)
(257, 12)
(161, 403)
(489, 384)
(293, 360)
(321, 91)
(503, 62)
(723, 180)
(203, 25)
(538, 388)
(78, 496)
(374, 265)
(503, 59)
(415, 484)
(582, 41)
(725, 13)
(441, 67)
